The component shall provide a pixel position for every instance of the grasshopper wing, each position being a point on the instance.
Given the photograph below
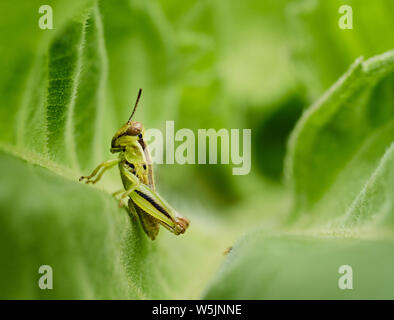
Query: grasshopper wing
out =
(150, 224)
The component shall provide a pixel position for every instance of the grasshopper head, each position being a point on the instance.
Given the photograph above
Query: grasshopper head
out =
(130, 133)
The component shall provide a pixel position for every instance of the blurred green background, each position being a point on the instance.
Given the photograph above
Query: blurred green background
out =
(204, 64)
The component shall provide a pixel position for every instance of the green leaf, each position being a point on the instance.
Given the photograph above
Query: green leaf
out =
(286, 266)
(374, 205)
(63, 104)
(322, 50)
(340, 165)
(47, 217)
(23, 43)
(95, 249)
(79, 239)
(205, 64)
(65, 54)
(340, 140)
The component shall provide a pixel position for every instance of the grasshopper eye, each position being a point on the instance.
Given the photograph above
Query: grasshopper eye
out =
(135, 129)
(140, 136)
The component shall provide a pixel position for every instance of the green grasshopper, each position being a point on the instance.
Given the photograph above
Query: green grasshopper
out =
(136, 171)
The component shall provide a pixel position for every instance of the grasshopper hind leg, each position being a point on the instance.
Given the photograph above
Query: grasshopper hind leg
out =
(149, 224)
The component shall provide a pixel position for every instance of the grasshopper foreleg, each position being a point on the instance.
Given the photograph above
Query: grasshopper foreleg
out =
(104, 167)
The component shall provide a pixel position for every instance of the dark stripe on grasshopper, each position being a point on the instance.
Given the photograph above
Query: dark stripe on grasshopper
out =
(130, 165)
(153, 203)
(142, 143)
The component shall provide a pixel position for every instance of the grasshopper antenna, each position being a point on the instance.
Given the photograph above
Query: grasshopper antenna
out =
(136, 104)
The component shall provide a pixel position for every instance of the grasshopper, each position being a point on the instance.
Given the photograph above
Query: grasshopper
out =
(136, 172)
